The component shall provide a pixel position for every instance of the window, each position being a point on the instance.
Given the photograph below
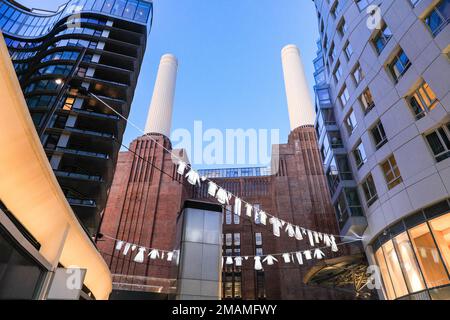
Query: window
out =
(360, 155)
(399, 65)
(387, 281)
(259, 252)
(370, 191)
(358, 74)
(367, 102)
(258, 238)
(382, 38)
(393, 266)
(408, 263)
(68, 104)
(428, 256)
(350, 122)
(379, 135)
(439, 142)
(344, 96)
(337, 72)
(348, 50)
(439, 17)
(228, 216)
(21, 276)
(391, 172)
(228, 239)
(422, 100)
(237, 239)
(441, 232)
(342, 27)
(362, 4)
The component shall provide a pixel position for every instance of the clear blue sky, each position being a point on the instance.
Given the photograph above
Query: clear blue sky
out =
(230, 73)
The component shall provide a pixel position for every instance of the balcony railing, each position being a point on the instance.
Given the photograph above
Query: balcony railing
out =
(90, 132)
(82, 153)
(75, 175)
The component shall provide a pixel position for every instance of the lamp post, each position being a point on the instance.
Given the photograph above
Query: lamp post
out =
(62, 91)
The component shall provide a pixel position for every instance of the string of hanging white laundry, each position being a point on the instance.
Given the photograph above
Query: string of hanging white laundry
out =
(239, 206)
(296, 257)
(224, 197)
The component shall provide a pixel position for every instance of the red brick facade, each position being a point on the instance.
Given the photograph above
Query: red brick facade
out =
(143, 210)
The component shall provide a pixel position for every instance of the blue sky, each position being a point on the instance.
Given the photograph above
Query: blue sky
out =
(230, 73)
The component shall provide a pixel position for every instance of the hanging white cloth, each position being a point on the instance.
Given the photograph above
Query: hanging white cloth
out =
(303, 230)
(181, 167)
(334, 247)
(287, 257)
(169, 256)
(133, 247)
(126, 249)
(248, 209)
(223, 197)
(327, 240)
(298, 233)
(290, 230)
(238, 261)
(308, 255)
(318, 254)
(311, 238)
(154, 254)
(320, 236)
(263, 217)
(299, 256)
(119, 245)
(139, 258)
(212, 189)
(276, 224)
(229, 260)
(316, 237)
(237, 206)
(270, 260)
(193, 177)
(258, 265)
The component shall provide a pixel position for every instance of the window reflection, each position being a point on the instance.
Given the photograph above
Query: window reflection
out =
(389, 289)
(441, 232)
(409, 264)
(395, 271)
(428, 256)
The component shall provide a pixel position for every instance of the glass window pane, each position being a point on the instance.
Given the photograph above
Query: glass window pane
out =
(441, 232)
(428, 256)
(409, 264)
(389, 289)
(394, 269)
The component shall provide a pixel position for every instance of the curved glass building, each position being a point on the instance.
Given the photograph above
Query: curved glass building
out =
(383, 92)
(68, 62)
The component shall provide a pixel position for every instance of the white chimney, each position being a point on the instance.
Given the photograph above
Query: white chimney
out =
(300, 105)
(159, 118)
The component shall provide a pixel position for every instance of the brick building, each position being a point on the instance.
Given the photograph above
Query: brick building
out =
(144, 204)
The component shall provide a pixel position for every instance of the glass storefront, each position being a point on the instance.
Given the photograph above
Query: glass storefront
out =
(414, 255)
(20, 275)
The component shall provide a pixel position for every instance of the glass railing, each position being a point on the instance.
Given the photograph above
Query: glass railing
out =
(82, 153)
(75, 175)
(90, 132)
(81, 202)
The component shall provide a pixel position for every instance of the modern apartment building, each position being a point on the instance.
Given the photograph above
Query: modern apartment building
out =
(68, 63)
(383, 105)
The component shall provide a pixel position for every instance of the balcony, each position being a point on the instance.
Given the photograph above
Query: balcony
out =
(78, 176)
(81, 153)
